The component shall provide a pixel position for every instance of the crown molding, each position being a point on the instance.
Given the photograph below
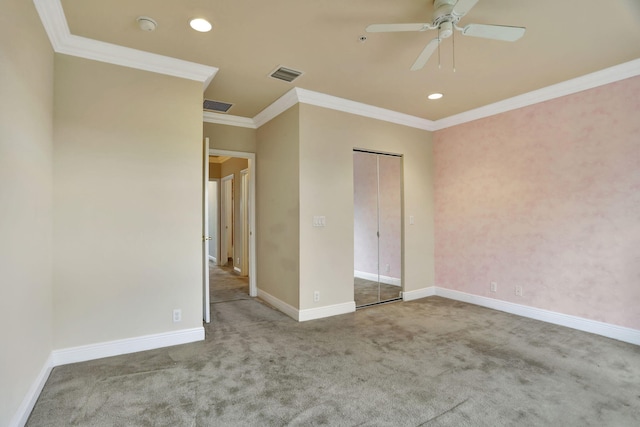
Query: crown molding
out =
(588, 81)
(360, 109)
(62, 41)
(226, 119)
(304, 96)
(53, 21)
(281, 105)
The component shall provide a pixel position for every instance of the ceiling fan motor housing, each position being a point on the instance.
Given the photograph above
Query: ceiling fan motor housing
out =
(442, 14)
(446, 29)
(443, 17)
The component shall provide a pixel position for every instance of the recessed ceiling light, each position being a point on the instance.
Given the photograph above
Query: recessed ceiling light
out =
(435, 96)
(200, 24)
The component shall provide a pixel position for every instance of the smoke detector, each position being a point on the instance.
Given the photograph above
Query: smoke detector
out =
(146, 24)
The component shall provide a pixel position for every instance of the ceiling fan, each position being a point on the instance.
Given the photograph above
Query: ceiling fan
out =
(446, 15)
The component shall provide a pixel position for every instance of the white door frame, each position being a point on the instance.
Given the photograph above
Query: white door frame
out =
(224, 226)
(253, 287)
(244, 216)
(206, 303)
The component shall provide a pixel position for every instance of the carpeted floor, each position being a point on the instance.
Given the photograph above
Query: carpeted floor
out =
(225, 285)
(366, 292)
(430, 362)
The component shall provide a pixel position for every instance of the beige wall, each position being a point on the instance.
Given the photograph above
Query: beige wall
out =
(127, 202)
(277, 207)
(214, 170)
(26, 135)
(232, 138)
(327, 140)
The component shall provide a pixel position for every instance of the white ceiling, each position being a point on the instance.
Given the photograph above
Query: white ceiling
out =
(565, 39)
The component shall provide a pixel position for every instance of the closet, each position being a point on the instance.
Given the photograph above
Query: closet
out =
(377, 197)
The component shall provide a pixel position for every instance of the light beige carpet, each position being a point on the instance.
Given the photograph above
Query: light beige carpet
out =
(429, 362)
(226, 285)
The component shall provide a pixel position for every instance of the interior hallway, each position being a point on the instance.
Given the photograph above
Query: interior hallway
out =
(225, 285)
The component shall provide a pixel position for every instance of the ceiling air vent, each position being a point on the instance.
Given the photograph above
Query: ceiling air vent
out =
(216, 106)
(286, 74)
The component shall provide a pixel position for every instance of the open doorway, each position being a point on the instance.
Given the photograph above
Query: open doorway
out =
(235, 243)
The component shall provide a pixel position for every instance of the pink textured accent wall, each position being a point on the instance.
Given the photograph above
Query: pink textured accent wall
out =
(546, 197)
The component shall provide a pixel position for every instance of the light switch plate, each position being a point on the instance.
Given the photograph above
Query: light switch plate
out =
(319, 221)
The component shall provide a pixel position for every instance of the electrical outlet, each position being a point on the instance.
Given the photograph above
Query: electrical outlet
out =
(387, 268)
(316, 296)
(519, 291)
(494, 287)
(238, 261)
(177, 315)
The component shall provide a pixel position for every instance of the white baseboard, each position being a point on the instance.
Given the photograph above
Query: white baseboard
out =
(309, 313)
(326, 311)
(30, 399)
(287, 309)
(419, 293)
(125, 346)
(98, 351)
(620, 333)
(374, 278)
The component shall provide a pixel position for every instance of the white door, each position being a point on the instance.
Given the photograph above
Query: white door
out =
(206, 307)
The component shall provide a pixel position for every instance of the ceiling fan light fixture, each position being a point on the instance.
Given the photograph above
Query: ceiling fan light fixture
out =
(445, 19)
(435, 95)
(201, 25)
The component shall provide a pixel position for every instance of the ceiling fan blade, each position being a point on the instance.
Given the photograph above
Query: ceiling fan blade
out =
(462, 7)
(425, 54)
(496, 32)
(391, 28)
